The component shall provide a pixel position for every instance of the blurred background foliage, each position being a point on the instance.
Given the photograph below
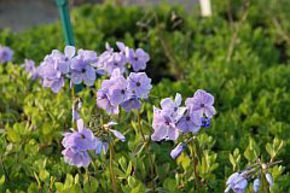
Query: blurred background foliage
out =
(240, 54)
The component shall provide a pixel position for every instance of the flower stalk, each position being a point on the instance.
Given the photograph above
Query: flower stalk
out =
(112, 173)
(194, 157)
(147, 150)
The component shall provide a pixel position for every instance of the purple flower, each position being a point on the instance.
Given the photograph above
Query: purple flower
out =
(164, 127)
(139, 84)
(115, 61)
(177, 150)
(63, 61)
(123, 49)
(81, 69)
(202, 102)
(6, 54)
(205, 122)
(82, 140)
(51, 77)
(117, 89)
(88, 56)
(104, 102)
(75, 114)
(189, 123)
(76, 107)
(110, 60)
(138, 59)
(31, 69)
(54, 67)
(101, 147)
(256, 185)
(131, 103)
(76, 145)
(118, 135)
(171, 108)
(269, 179)
(76, 158)
(113, 92)
(104, 57)
(237, 183)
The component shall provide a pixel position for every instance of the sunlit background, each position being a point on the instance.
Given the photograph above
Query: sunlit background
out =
(22, 14)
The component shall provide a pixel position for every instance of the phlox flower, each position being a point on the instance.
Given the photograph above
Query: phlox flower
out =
(237, 183)
(50, 75)
(177, 150)
(63, 60)
(189, 123)
(173, 119)
(164, 127)
(257, 182)
(55, 67)
(172, 108)
(139, 84)
(256, 185)
(104, 102)
(202, 103)
(81, 68)
(77, 144)
(131, 103)
(138, 59)
(116, 133)
(119, 91)
(111, 60)
(76, 158)
(6, 54)
(30, 68)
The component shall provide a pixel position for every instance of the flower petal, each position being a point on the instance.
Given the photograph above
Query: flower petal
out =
(118, 135)
(177, 151)
(69, 51)
(80, 124)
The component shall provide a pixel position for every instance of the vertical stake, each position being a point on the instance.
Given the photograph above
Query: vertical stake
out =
(65, 20)
(67, 29)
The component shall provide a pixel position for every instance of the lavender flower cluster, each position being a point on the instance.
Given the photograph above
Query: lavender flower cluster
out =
(83, 66)
(173, 119)
(6, 54)
(238, 182)
(111, 60)
(78, 66)
(79, 143)
(118, 91)
(125, 92)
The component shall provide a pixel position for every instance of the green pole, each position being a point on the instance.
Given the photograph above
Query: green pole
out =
(65, 20)
(67, 28)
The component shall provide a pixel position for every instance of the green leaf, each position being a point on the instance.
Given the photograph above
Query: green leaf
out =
(170, 184)
(2, 180)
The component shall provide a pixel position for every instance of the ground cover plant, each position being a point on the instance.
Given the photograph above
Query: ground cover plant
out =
(213, 118)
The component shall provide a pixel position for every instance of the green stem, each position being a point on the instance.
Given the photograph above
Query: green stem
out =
(89, 180)
(112, 173)
(264, 183)
(147, 150)
(4, 170)
(195, 164)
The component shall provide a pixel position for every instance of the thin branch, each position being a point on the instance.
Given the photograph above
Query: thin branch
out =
(237, 29)
(280, 30)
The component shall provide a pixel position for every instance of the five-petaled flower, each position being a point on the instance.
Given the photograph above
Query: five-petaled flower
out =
(6, 54)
